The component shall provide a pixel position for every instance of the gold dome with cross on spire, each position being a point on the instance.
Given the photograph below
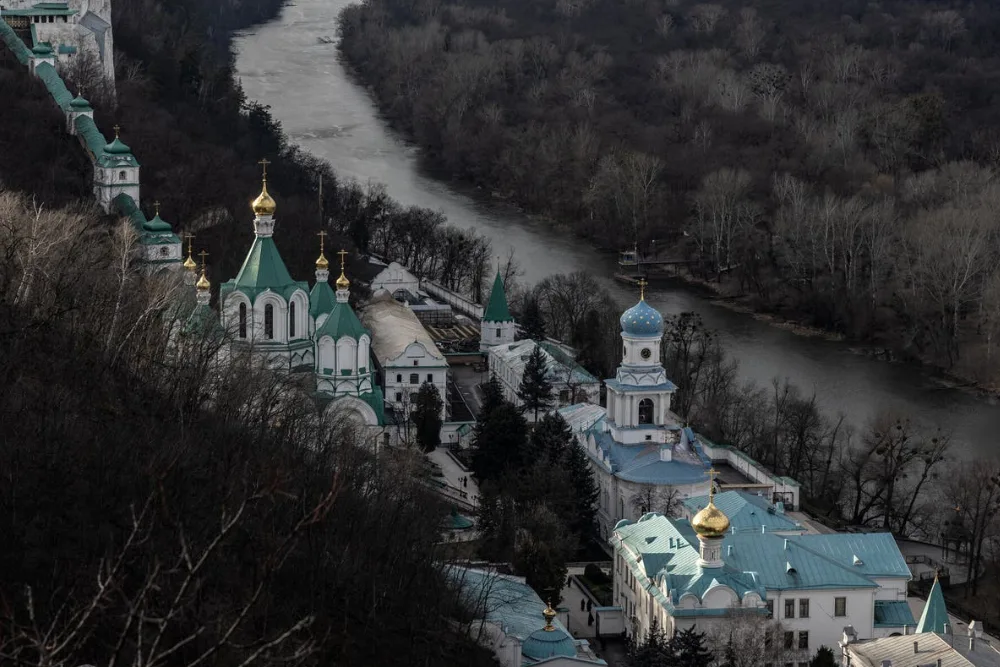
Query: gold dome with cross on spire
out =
(710, 521)
(342, 282)
(264, 204)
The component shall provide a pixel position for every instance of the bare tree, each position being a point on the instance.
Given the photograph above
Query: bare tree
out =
(750, 33)
(652, 498)
(704, 18)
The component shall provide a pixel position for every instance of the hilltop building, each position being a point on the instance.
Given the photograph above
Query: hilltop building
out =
(680, 573)
(644, 459)
(68, 30)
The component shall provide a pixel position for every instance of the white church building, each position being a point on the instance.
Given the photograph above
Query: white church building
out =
(642, 455)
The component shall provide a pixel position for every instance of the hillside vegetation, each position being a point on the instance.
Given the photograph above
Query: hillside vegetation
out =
(832, 160)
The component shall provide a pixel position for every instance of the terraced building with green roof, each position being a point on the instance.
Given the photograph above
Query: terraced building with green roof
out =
(298, 329)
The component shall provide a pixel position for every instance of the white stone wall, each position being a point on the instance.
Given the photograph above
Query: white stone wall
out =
(400, 390)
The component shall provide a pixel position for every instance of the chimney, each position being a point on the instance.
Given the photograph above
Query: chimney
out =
(763, 529)
(906, 629)
(916, 648)
(786, 544)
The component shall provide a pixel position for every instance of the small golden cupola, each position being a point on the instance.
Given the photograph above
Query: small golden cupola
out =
(321, 262)
(189, 263)
(203, 285)
(342, 282)
(710, 521)
(264, 204)
(549, 614)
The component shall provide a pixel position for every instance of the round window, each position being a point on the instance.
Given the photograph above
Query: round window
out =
(164, 250)
(646, 353)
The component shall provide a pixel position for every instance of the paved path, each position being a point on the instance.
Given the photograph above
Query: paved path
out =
(453, 474)
(571, 598)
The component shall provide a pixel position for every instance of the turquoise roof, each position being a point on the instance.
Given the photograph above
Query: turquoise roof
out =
(342, 322)
(746, 511)
(117, 147)
(66, 49)
(496, 307)
(542, 644)
(42, 49)
(14, 43)
(54, 84)
(753, 561)
(935, 614)
(509, 601)
(376, 399)
(87, 130)
(321, 299)
(157, 224)
(893, 614)
(642, 320)
(263, 270)
(80, 104)
(641, 463)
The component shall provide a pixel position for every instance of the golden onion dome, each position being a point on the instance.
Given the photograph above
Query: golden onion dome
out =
(710, 522)
(203, 285)
(190, 264)
(264, 204)
(322, 263)
(549, 614)
(343, 282)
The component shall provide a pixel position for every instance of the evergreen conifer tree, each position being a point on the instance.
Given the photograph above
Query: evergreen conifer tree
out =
(824, 658)
(498, 441)
(532, 323)
(492, 395)
(535, 391)
(688, 647)
(653, 650)
(426, 416)
(553, 438)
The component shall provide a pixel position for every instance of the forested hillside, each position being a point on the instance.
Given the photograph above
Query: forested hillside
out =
(832, 160)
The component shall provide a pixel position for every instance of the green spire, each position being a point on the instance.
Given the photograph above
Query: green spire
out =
(496, 309)
(935, 614)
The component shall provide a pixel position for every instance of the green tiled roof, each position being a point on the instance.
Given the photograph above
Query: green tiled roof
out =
(321, 299)
(496, 309)
(202, 321)
(54, 84)
(126, 206)
(935, 615)
(92, 137)
(157, 224)
(342, 322)
(66, 49)
(80, 104)
(262, 270)
(14, 43)
(117, 147)
(42, 9)
(892, 614)
(376, 400)
(150, 231)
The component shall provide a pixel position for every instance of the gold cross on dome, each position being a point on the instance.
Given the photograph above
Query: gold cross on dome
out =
(712, 474)
(203, 255)
(642, 289)
(263, 163)
(322, 238)
(343, 254)
(190, 239)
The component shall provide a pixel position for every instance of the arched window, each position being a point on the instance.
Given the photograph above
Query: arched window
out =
(399, 377)
(291, 320)
(243, 320)
(646, 411)
(121, 175)
(269, 322)
(621, 508)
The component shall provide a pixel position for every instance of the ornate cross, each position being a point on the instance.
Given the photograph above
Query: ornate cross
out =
(190, 239)
(642, 289)
(343, 254)
(156, 206)
(117, 129)
(263, 163)
(322, 238)
(712, 474)
(203, 255)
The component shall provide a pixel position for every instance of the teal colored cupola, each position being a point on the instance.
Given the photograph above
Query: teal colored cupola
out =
(79, 104)
(642, 319)
(496, 307)
(550, 641)
(157, 224)
(117, 146)
(935, 616)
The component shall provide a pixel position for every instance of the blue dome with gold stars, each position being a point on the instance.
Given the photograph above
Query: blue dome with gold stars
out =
(642, 320)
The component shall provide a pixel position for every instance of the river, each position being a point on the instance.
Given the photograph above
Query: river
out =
(285, 64)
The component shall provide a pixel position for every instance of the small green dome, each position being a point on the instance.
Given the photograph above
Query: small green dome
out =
(542, 644)
(42, 49)
(80, 104)
(157, 224)
(117, 147)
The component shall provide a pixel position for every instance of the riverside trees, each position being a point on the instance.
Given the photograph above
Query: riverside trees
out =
(776, 148)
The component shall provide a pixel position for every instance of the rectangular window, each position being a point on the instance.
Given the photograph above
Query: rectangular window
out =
(430, 377)
(804, 608)
(399, 397)
(789, 640)
(840, 606)
(770, 608)
(804, 639)
(414, 378)
(789, 608)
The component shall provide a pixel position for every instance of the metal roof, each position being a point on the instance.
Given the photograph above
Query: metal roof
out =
(951, 650)
(893, 614)
(394, 328)
(496, 308)
(935, 615)
(560, 369)
(746, 511)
